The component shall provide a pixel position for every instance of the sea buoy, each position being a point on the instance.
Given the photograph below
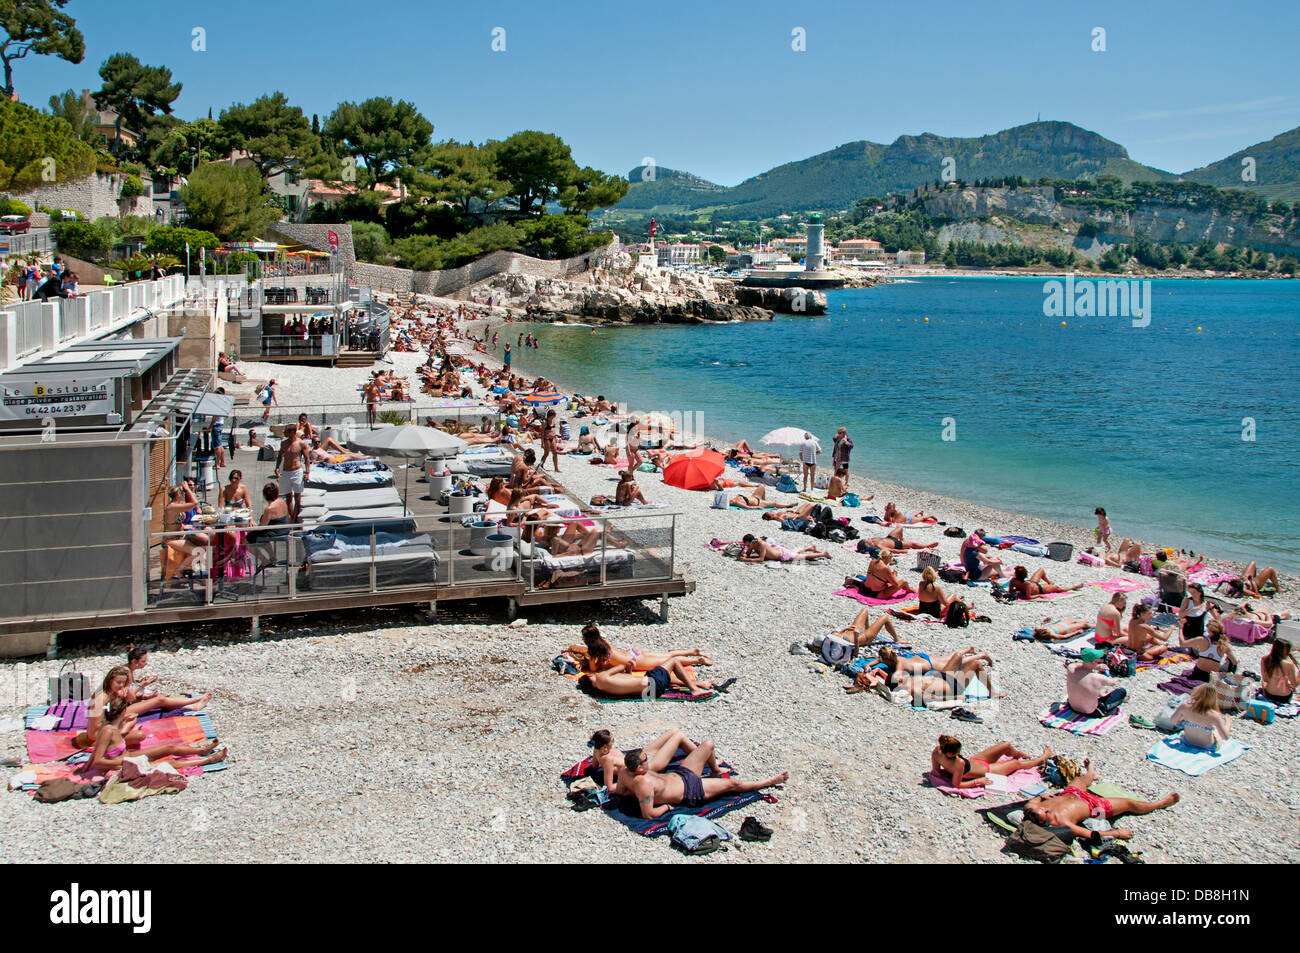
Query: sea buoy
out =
(1062, 324)
(927, 320)
(1198, 330)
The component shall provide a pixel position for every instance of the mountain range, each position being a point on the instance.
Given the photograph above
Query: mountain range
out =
(833, 180)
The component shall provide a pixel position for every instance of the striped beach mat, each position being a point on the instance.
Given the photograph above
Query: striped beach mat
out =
(1062, 716)
(1177, 753)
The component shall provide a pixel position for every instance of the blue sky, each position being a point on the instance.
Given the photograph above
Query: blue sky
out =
(715, 88)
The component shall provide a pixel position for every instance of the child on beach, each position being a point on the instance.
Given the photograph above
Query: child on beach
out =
(1103, 528)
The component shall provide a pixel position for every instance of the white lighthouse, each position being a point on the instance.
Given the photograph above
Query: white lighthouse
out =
(814, 257)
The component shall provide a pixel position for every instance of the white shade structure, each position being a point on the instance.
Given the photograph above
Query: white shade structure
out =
(409, 441)
(787, 437)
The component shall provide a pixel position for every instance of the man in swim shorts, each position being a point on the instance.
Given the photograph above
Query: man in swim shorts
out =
(292, 466)
(680, 785)
(1076, 804)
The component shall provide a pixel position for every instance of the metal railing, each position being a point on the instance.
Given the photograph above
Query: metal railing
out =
(29, 243)
(223, 564)
(292, 345)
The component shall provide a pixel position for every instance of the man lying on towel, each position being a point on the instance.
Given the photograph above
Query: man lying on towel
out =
(659, 788)
(1076, 804)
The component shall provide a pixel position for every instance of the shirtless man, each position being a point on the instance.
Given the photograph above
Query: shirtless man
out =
(658, 789)
(1076, 804)
(801, 512)
(1110, 620)
(370, 392)
(293, 466)
(895, 542)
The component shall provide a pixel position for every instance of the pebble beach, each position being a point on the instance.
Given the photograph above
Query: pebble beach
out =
(380, 736)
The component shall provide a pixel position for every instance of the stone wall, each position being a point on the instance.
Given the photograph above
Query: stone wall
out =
(95, 196)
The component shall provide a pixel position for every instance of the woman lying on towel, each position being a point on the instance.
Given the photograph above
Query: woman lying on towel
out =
(1065, 629)
(1026, 586)
(880, 580)
(863, 631)
(801, 512)
(1142, 638)
(973, 772)
(116, 693)
(1128, 552)
(113, 741)
(758, 549)
(610, 760)
(600, 655)
(896, 542)
(891, 669)
(940, 685)
(894, 515)
(1074, 805)
(572, 538)
(754, 501)
(741, 453)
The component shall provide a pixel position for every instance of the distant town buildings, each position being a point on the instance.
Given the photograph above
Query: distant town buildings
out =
(859, 249)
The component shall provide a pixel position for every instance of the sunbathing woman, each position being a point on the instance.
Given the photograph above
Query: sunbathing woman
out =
(895, 541)
(600, 655)
(758, 549)
(570, 540)
(880, 580)
(1128, 552)
(741, 453)
(1065, 629)
(973, 772)
(1203, 723)
(933, 600)
(619, 681)
(1281, 674)
(628, 491)
(801, 512)
(116, 693)
(111, 747)
(894, 515)
(891, 668)
(941, 684)
(862, 631)
(1254, 579)
(1143, 639)
(1213, 651)
(1247, 611)
(1026, 586)
(754, 501)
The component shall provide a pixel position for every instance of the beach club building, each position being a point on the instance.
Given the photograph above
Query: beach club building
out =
(110, 401)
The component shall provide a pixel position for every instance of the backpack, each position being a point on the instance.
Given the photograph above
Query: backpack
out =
(786, 485)
(692, 834)
(1034, 842)
(957, 616)
(836, 650)
(851, 499)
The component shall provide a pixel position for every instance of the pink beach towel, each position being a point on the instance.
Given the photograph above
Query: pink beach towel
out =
(1016, 782)
(902, 595)
(1120, 584)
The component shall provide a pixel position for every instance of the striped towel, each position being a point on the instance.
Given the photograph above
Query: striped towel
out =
(1175, 752)
(1062, 716)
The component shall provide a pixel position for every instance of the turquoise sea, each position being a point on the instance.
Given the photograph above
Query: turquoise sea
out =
(1186, 430)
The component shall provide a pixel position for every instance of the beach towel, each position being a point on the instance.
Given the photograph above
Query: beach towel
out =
(46, 747)
(1182, 683)
(1043, 597)
(1062, 716)
(1013, 783)
(625, 812)
(1000, 816)
(901, 595)
(973, 693)
(1120, 584)
(1172, 657)
(1177, 753)
(1211, 577)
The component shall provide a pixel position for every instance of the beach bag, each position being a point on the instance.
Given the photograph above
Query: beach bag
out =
(851, 500)
(795, 524)
(822, 481)
(836, 651)
(928, 558)
(733, 550)
(1248, 631)
(957, 616)
(1088, 559)
(720, 500)
(1061, 552)
(772, 479)
(786, 485)
(1034, 842)
(692, 834)
(1261, 710)
(1120, 665)
(1235, 691)
(835, 534)
(69, 686)
(952, 575)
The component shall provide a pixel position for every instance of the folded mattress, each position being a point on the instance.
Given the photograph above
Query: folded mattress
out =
(363, 499)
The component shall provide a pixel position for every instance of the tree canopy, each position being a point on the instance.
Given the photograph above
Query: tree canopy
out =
(40, 27)
(139, 94)
(30, 141)
(275, 133)
(382, 134)
(231, 201)
(70, 107)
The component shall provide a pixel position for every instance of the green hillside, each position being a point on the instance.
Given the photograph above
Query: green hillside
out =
(1277, 169)
(833, 180)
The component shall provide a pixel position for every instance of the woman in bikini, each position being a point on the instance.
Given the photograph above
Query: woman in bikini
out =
(115, 694)
(1065, 629)
(235, 493)
(1253, 579)
(1203, 723)
(1026, 586)
(1143, 639)
(880, 580)
(758, 550)
(894, 515)
(1128, 552)
(862, 631)
(1213, 651)
(599, 655)
(114, 739)
(973, 772)
(891, 668)
(628, 491)
(1281, 674)
(754, 501)
(801, 512)
(933, 600)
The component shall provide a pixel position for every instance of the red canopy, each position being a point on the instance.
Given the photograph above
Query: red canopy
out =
(694, 469)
